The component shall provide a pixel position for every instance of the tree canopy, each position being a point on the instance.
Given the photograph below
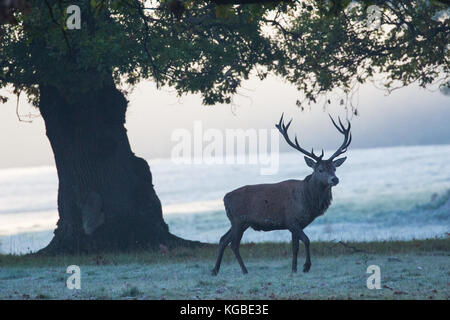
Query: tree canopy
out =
(209, 48)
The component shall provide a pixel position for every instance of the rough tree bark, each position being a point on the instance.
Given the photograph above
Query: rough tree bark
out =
(106, 199)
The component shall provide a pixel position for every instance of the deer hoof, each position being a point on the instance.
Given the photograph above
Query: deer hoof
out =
(306, 267)
(214, 272)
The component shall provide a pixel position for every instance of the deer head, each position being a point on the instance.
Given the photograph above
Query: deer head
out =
(324, 170)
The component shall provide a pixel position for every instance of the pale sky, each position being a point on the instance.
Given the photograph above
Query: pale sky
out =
(408, 116)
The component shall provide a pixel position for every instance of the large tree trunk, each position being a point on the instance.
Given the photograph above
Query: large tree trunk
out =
(106, 199)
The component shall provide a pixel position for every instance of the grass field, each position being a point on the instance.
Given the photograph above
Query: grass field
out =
(418, 269)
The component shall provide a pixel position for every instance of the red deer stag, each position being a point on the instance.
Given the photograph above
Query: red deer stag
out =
(288, 205)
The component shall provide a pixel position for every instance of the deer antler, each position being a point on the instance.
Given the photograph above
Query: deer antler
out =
(347, 137)
(283, 130)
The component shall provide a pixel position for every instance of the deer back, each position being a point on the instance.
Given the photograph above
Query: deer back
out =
(269, 206)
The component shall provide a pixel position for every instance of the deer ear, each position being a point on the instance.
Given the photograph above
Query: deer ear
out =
(338, 162)
(310, 162)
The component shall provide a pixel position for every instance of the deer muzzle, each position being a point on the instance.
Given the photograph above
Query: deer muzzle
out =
(333, 180)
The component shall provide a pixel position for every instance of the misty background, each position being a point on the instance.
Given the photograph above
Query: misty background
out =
(405, 192)
(407, 116)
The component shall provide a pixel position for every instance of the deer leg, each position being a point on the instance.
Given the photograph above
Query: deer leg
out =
(295, 240)
(237, 233)
(304, 238)
(223, 243)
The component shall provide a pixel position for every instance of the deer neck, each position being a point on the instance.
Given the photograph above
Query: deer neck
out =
(318, 196)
